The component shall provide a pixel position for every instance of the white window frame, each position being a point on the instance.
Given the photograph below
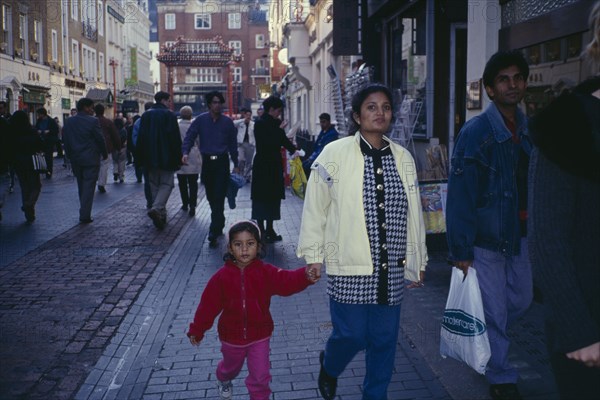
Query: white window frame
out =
(236, 45)
(54, 38)
(7, 34)
(101, 66)
(206, 20)
(170, 22)
(75, 10)
(75, 56)
(24, 35)
(234, 20)
(259, 41)
(237, 74)
(100, 18)
(38, 37)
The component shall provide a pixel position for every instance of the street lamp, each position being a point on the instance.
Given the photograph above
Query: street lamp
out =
(113, 63)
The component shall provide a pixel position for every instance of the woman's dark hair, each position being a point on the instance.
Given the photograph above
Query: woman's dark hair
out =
(360, 97)
(211, 95)
(502, 60)
(244, 226)
(272, 102)
(19, 123)
(119, 123)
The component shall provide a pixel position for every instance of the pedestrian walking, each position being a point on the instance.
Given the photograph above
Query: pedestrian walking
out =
(5, 185)
(240, 291)
(119, 156)
(564, 228)
(268, 188)
(327, 135)
(187, 176)
(85, 147)
(362, 218)
(113, 144)
(217, 138)
(158, 150)
(140, 172)
(24, 143)
(47, 128)
(486, 214)
(59, 146)
(246, 142)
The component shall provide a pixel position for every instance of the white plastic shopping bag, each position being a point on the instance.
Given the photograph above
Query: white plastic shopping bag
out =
(464, 334)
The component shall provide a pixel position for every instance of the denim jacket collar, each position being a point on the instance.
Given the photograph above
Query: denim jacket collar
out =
(500, 131)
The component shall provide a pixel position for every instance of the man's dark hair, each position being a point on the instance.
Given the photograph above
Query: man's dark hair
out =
(42, 111)
(325, 116)
(84, 102)
(119, 124)
(99, 109)
(160, 96)
(502, 60)
(272, 102)
(148, 105)
(211, 95)
(244, 110)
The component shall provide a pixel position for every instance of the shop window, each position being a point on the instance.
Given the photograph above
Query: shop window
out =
(202, 21)
(170, 22)
(574, 45)
(553, 50)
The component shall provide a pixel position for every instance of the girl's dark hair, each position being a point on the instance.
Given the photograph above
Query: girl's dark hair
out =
(244, 226)
(272, 102)
(360, 97)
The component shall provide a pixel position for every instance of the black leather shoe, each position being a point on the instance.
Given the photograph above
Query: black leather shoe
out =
(327, 384)
(101, 189)
(192, 211)
(505, 391)
(86, 220)
(212, 243)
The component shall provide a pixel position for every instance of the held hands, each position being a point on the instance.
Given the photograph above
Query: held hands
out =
(313, 272)
(463, 266)
(194, 340)
(590, 355)
(419, 283)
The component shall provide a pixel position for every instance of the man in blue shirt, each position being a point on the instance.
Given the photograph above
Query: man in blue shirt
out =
(217, 138)
(327, 135)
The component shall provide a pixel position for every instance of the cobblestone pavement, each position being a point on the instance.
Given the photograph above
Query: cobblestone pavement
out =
(100, 311)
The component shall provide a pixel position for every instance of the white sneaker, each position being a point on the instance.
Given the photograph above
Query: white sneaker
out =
(225, 389)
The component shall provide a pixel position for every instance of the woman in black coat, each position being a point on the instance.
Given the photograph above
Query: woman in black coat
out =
(267, 169)
(25, 142)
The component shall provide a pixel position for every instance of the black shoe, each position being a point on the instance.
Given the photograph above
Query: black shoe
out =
(101, 189)
(157, 219)
(505, 391)
(272, 237)
(48, 175)
(327, 384)
(86, 220)
(192, 211)
(212, 243)
(121, 180)
(184, 207)
(115, 177)
(231, 201)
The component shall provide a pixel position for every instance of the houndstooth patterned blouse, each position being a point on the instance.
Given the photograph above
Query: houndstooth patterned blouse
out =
(385, 208)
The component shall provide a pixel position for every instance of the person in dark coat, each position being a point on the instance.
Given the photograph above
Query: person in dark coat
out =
(48, 129)
(267, 170)
(25, 142)
(84, 147)
(158, 150)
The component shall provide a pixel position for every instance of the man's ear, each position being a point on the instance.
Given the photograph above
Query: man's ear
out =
(490, 92)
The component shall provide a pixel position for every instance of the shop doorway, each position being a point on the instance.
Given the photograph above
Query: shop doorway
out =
(458, 81)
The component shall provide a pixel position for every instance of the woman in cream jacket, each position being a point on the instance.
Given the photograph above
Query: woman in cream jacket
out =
(362, 218)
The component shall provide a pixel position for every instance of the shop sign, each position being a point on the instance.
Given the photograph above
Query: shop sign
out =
(65, 103)
(34, 98)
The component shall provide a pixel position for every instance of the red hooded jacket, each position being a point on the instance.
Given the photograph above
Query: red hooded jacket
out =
(244, 297)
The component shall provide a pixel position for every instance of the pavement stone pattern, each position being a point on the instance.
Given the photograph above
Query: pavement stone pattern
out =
(150, 356)
(61, 302)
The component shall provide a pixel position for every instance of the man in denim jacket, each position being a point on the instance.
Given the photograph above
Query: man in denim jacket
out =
(486, 214)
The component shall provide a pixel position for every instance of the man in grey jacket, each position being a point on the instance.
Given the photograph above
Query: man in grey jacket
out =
(85, 146)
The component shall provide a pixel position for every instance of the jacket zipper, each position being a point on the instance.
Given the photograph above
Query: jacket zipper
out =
(245, 332)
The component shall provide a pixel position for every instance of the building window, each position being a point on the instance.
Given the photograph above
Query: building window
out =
(54, 45)
(101, 66)
(38, 35)
(260, 41)
(23, 36)
(7, 28)
(237, 74)
(100, 18)
(202, 21)
(261, 67)
(170, 22)
(236, 45)
(75, 57)
(75, 9)
(235, 20)
(204, 75)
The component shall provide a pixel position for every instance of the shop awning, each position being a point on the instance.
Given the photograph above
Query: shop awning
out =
(100, 95)
(130, 106)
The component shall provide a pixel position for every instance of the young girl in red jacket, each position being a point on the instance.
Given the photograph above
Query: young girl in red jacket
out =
(241, 292)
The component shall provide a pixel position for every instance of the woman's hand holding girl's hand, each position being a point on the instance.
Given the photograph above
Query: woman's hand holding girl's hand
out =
(313, 272)
(194, 340)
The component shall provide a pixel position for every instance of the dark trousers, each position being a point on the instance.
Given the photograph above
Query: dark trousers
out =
(215, 178)
(188, 189)
(30, 188)
(86, 185)
(147, 191)
(573, 379)
(49, 154)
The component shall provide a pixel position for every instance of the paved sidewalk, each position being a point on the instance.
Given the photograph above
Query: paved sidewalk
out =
(151, 358)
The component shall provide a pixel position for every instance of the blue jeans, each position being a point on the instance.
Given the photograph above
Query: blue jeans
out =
(369, 327)
(506, 291)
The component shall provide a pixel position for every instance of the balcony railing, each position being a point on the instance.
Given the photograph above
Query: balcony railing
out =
(260, 71)
(89, 31)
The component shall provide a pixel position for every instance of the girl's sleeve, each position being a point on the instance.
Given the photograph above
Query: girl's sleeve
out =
(209, 308)
(287, 282)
